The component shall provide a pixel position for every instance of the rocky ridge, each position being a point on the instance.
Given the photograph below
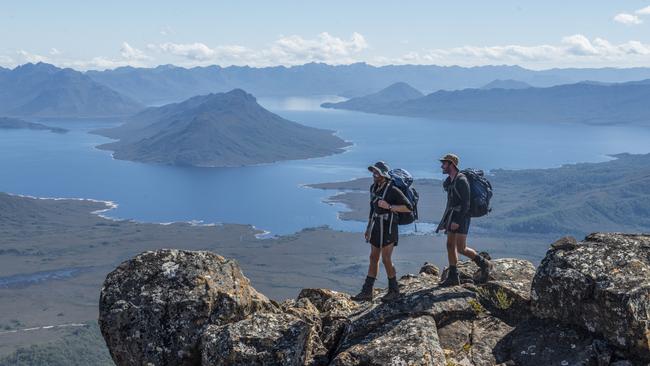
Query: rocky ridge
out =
(588, 303)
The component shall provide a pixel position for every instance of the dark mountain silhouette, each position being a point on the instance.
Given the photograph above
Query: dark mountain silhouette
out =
(45, 90)
(216, 130)
(583, 102)
(506, 84)
(397, 92)
(167, 83)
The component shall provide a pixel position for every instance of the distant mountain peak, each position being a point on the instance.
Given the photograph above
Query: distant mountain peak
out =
(396, 92)
(402, 89)
(44, 90)
(506, 84)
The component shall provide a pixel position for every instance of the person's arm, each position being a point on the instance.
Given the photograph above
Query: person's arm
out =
(402, 203)
(372, 187)
(462, 190)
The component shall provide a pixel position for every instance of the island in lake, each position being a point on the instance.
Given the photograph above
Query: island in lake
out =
(217, 130)
(18, 124)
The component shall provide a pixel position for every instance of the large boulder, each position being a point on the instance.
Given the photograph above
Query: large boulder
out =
(508, 290)
(601, 284)
(475, 341)
(335, 308)
(154, 308)
(262, 339)
(420, 295)
(537, 342)
(402, 341)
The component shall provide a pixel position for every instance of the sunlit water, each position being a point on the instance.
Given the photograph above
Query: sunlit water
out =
(272, 197)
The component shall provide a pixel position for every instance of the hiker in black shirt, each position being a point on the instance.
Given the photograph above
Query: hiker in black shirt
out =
(456, 221)
(386, 201)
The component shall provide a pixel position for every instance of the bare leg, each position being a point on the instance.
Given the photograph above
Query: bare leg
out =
(461, 246)
(386, 253)
(373, 266)
(451, 249)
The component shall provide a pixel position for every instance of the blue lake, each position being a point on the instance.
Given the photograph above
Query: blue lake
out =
(271, 197)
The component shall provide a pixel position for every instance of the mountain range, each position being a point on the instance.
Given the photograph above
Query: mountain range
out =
(44, 90)
(168, 83)
(217, 130)
(584, 102)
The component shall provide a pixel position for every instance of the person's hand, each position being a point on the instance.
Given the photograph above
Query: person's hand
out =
(454, 226)
(383, 204)
(366, 235)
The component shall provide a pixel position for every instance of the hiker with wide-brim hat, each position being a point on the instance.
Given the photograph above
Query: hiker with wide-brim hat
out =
(386, 201)
(456, 221)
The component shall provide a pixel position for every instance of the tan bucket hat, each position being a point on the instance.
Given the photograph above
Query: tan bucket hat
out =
(452, 158)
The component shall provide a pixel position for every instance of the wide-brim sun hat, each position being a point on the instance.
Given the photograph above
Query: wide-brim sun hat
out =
(380, 168)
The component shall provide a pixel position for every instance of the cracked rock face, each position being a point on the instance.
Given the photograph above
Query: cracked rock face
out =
(403, 341)
(154, 307)
(601, 284)
(264, 339)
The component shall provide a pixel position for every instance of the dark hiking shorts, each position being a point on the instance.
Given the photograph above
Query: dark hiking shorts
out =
(390, 236)
(463, 226)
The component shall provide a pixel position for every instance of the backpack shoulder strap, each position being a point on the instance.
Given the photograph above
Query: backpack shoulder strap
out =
(388, 187)
(453, 183)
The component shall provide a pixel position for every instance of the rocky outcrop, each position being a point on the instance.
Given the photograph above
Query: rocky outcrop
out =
(196, 308)
(266, 338)
(601, 284)
(154, 308)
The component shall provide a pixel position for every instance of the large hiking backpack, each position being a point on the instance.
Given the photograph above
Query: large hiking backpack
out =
(480, 192)
(403, 180)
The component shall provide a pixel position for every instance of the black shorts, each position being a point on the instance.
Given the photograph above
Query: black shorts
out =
(463, 225)
(391, 233)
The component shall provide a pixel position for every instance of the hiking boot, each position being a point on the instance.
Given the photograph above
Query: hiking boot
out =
(485, 267)
(453, 279)
(366, 291)
(393, 290)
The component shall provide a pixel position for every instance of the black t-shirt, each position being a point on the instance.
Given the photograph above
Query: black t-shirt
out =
(458, 197)
(394, 196)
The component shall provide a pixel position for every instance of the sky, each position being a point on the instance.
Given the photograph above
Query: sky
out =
(534, 34)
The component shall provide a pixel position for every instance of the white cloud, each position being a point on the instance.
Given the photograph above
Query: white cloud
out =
(326, 48)
(575, 50)
(130, 53)
(571, 51)
(193, 51)
(643, 11)
(97, 63)
(579, 45)
(31, 57)
(287, 50)
(6, 60)
(54, 52)
(627, 19)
